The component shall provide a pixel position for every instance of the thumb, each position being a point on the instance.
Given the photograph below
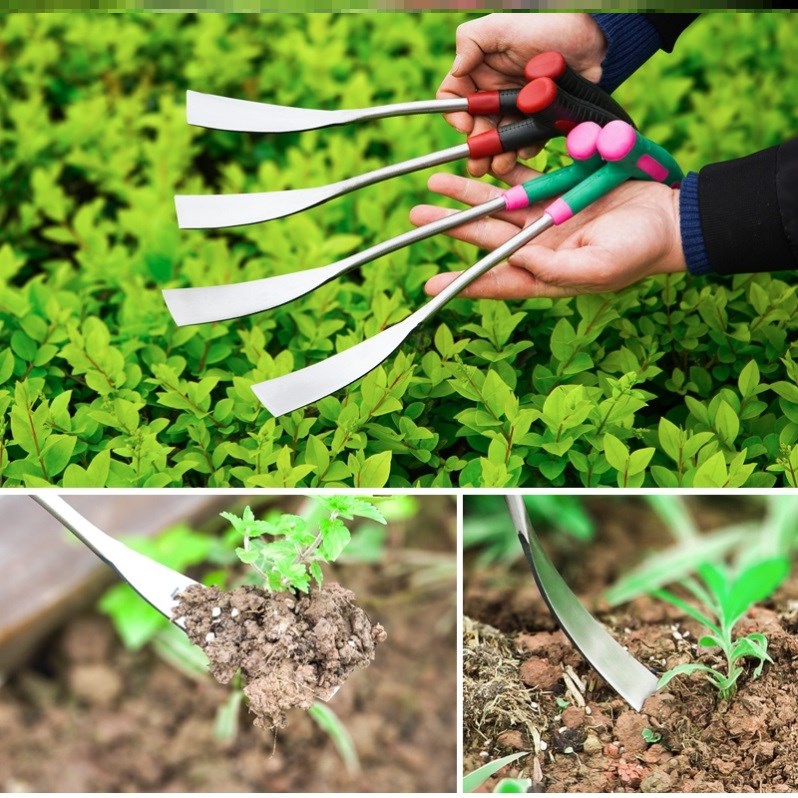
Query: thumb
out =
(469, 54)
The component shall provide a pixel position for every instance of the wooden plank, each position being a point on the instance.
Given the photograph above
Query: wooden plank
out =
(46, 575)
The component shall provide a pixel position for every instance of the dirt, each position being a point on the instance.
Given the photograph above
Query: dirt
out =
(291, 649)
(527, 689)
(86, 715)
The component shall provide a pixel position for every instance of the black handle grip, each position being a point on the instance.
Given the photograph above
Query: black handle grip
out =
(554, 66)
(530, 131)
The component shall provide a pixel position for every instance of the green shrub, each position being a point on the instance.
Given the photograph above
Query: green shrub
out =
(675, 381)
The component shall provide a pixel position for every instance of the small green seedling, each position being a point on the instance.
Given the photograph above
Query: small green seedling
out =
(513, 785)
(650, 736)
(726, 598)
(298, 546)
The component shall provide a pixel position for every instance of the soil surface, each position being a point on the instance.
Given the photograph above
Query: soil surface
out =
(291, 649)
(86, 715)
(527, 689)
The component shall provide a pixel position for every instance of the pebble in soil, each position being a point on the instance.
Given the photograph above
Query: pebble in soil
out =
(291, 649)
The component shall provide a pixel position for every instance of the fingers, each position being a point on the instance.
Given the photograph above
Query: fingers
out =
(471, 192)
(502, 282)
(503, 164)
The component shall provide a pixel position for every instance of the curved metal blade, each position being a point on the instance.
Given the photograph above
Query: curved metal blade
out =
(299, 388)
(225, 113)
(625, 674)
(227, 210)
(219, 302)
(154, 582)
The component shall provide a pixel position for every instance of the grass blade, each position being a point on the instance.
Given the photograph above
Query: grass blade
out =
(329, 722)
(472, 780)
(673, 511)
(676, 563)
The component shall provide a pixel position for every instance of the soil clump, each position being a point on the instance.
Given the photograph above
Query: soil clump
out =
(291, 649)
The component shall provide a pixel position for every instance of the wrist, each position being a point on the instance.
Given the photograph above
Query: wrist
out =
(677, 261)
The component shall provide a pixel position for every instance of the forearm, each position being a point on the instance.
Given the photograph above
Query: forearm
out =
(742, 215)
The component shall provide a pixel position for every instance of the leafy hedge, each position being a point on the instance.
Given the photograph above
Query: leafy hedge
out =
(675, 381)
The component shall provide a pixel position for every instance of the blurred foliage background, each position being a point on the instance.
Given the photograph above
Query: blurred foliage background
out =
(675, 381)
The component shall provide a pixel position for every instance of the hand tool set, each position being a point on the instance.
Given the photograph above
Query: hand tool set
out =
(601, 138)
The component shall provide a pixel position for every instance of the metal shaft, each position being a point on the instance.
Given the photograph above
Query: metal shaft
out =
(228, 210)
(402, 168)
(488, 262)
(155, 583)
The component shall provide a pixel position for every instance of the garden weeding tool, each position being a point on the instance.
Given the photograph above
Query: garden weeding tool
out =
(158, 585)
(554, 112)
(627, 154)
(625, 674)
(225, 113)
(218, 302)
(155, 583)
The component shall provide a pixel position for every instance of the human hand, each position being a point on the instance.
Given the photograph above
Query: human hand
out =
(631, 233)
(492, 52)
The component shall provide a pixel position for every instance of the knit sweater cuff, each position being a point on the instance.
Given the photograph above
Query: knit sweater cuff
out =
(695, 251)
(631, 41)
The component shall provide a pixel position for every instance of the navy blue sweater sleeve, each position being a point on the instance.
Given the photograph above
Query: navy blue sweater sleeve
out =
(632, 39)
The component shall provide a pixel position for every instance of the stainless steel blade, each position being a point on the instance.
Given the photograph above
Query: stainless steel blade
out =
(625, 674)
(154, 582)
(219, 302)
(225, 113)
(299, 388)
(229, 210)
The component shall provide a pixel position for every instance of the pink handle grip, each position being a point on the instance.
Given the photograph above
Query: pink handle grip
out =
(582, 141)
(616, 141)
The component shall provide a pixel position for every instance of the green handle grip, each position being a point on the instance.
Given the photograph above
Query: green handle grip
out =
(582, 145)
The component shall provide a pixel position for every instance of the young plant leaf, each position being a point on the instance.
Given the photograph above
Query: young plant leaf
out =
(755, 583)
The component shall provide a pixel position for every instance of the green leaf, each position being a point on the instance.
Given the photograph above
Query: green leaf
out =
(617, 454)
(226, 723)
(749, 379)
(335, 536)
(755, 583)
(56, 453)
(248, 556)
(670, 438)
(687, 669)
(374, 471)
(711, 473)
(697, 615)
(316, 573)
(329, 722)
(477, 777)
